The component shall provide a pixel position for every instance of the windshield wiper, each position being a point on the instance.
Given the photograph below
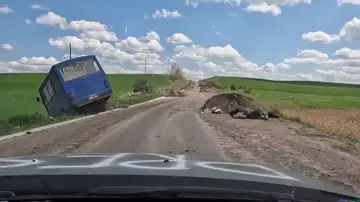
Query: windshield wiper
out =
(110, 192)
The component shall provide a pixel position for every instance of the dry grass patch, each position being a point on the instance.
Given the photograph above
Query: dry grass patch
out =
(338, 121)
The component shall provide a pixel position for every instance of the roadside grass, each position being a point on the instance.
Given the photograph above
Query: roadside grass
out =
(328, 106)
(23, 122)
(20, 111)
(123, 83)
(138, 98)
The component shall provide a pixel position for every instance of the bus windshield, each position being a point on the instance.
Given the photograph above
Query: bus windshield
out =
(79, 69)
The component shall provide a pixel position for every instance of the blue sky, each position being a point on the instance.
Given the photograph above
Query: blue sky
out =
(274, 39)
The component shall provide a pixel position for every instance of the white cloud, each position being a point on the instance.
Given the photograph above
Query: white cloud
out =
(164, 13)
(270, 67)
(5, 9)
(264, 8)
(133, 44)
(347, 53)
(351, 30)
(131, 51)
(195, 3)
(7, 47)
(320, 36)
(27, 21)
(76, 43)
(87, 25)
(179, 38)
(353, 2)
(312, 54)
(344, 68)
(52, 19)
(249, 2)
(39, 7)
(102, 35)
(151, 35)
(24, 64)
(193, 74)
(38, 61)
(215, 59)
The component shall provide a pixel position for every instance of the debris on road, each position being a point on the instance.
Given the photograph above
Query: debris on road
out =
(216, 110)
(237, 105)
(172, 92)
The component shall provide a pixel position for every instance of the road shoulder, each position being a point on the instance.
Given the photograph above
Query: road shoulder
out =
(293, 146)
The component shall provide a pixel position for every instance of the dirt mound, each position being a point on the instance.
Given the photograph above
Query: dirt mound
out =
(207, 89)
(230, 102)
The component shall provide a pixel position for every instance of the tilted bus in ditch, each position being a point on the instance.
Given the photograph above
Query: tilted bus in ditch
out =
(77, 85)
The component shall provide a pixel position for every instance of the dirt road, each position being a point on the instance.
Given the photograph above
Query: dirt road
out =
(168, 126)
(174, 126)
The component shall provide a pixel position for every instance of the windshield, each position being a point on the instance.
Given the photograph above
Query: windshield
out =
(237, 94)
(78, 69)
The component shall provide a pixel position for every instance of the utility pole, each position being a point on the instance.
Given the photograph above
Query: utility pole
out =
(70, 49)
(169, 65)
(145, 65)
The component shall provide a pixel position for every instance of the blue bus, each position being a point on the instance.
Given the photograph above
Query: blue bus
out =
(77, 85)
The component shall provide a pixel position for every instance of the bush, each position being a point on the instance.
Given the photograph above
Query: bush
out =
(232, 87)
(248, 90)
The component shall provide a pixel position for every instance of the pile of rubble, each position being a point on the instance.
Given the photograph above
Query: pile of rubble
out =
(237, 105)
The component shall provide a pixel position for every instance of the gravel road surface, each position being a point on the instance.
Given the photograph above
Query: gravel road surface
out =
(171, 125)
(175, 126)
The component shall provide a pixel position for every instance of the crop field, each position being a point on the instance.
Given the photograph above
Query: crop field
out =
(302, 94)
(329, 106)
(18, 92)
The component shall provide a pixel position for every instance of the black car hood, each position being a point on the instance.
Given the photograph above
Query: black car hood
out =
(150, 170)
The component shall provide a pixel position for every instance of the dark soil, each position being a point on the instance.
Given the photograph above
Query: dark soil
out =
(229, 102)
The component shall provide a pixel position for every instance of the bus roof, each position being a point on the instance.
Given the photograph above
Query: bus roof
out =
(69, 61)
(72, 60)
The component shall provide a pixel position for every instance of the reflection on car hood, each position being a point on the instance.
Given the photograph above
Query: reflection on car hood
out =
(196, 170)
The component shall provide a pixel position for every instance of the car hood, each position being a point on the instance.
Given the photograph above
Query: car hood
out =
(146, 169)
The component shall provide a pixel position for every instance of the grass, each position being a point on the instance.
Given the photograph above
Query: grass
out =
(122, 83)
(18, 94)
(332, 107)
(19, 91)
(298, 93)
(138, 98)
(22, 122)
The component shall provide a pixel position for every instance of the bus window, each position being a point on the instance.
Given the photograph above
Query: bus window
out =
(78, 69)
(50, 88)
(46, 95)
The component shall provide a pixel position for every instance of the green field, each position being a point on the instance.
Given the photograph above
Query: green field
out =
(298, 93)
(19, 91)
